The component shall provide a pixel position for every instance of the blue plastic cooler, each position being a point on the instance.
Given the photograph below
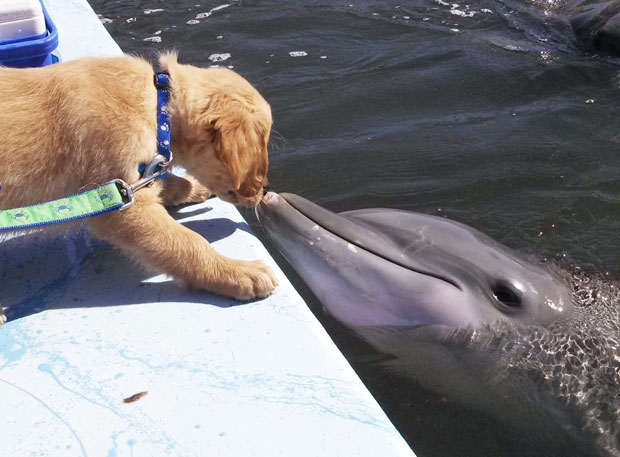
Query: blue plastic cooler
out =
(30, 51)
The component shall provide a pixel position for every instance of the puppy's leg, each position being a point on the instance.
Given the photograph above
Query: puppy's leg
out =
(2, 316)
(178, 191)
(149, 234)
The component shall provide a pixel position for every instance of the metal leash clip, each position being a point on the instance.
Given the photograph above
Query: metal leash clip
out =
(156, 168)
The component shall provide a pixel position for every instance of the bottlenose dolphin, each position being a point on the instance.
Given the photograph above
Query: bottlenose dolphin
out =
(465, 316)
(387, 267)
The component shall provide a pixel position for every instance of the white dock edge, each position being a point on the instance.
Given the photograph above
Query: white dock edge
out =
(223, 378)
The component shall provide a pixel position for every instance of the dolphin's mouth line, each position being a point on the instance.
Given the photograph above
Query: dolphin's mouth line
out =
(379, 254)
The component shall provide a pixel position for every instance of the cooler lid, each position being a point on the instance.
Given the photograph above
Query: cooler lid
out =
(21, 19)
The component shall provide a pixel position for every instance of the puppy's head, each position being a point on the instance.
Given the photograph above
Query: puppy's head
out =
(221, 127)
(240, 133)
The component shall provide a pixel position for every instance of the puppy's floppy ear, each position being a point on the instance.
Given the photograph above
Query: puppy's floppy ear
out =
(240, 137)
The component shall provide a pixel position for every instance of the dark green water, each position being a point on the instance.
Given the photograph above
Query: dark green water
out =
(487, 114)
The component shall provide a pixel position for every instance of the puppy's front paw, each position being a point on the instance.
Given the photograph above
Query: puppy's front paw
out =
(180, 191)
(2, 316)
(249, 280)
(198, 192)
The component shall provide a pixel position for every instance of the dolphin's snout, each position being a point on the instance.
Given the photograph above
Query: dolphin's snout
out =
(269, 207)
(270, 198)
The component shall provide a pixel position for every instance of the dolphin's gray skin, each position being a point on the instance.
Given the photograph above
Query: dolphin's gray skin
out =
(386, 267)
(465, 316)
(596, 24)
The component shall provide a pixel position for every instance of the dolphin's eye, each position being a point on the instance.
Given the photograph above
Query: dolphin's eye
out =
(507, 296)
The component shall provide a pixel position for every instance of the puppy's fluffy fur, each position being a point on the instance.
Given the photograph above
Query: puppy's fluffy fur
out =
(72, 126)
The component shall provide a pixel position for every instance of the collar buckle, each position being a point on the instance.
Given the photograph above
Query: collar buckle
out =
(162, 80)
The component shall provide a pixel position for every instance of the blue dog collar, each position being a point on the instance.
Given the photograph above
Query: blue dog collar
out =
(162, 83)
(159, 165)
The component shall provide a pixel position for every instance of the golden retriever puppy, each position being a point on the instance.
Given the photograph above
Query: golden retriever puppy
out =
(71, 126)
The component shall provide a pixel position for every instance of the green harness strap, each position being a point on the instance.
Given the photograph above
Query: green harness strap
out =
(105, 198)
